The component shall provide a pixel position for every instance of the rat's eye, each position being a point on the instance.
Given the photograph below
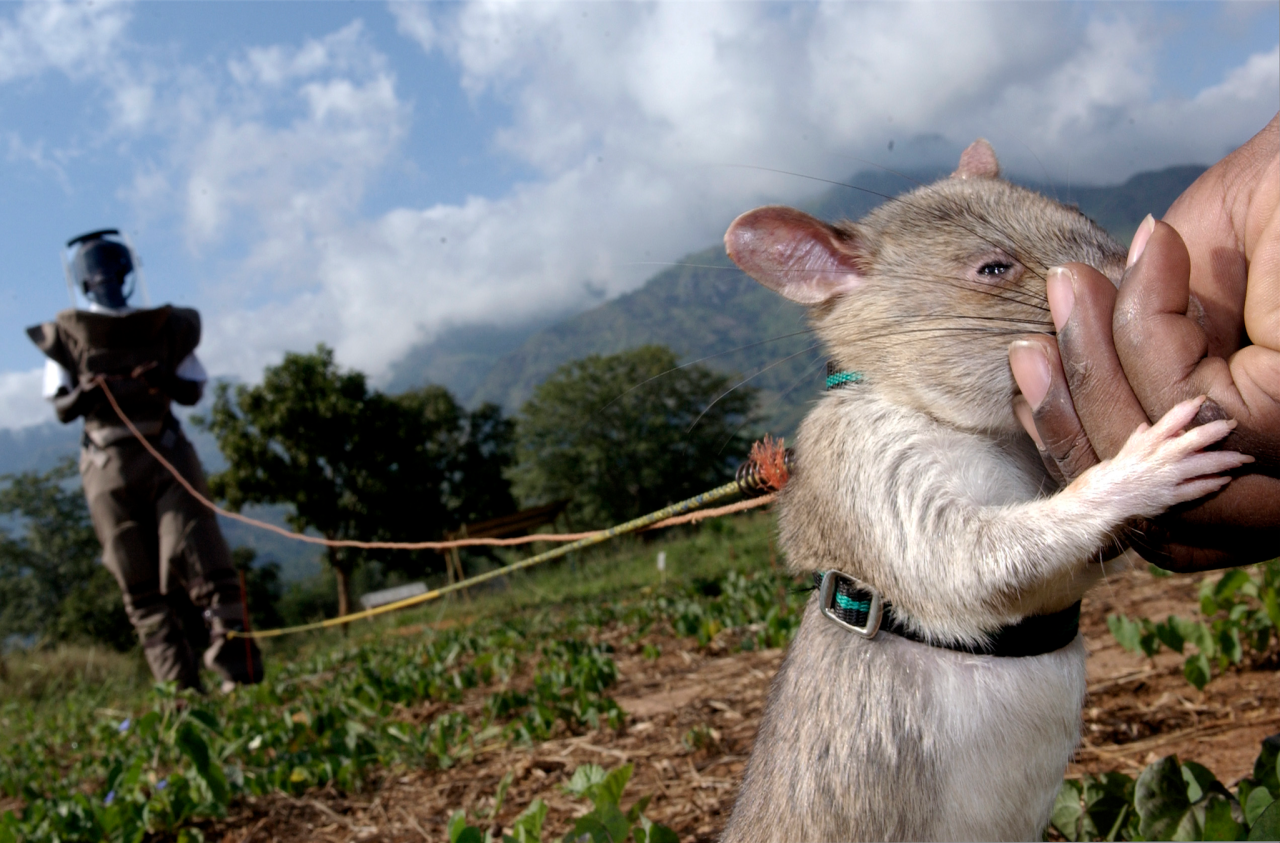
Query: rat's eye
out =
(994, 269)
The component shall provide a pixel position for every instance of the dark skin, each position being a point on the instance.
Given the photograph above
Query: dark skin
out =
(1197, 313)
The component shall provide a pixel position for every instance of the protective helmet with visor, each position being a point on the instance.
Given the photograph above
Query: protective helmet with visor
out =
(101, 266)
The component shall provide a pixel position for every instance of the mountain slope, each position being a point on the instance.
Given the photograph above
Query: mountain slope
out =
(705, 307)
(702, 307)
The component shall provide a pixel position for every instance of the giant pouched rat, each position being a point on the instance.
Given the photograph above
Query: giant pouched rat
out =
(916, 485)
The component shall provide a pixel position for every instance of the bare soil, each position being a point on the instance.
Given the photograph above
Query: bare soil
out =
(693, 714)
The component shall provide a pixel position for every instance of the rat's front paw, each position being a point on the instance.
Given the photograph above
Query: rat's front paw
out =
(1165, 464)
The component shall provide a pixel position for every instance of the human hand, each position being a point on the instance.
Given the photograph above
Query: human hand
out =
(158, 379)
(1195, 314)
(70, 404)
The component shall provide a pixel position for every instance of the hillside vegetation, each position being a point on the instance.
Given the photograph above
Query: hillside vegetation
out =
(705, 307)
(492, 711)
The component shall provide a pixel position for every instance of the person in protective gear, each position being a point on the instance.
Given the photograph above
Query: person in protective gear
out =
(163, 546)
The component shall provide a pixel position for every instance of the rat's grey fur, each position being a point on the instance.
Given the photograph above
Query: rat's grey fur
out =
(921, 483)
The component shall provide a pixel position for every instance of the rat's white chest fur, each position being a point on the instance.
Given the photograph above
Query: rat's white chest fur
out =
(961, 531)
(1008, 726)
(897, 739)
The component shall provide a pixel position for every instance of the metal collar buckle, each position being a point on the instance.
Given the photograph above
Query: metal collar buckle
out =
(827, 603)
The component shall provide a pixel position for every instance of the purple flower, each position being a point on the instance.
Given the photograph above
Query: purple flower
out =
(109, 798)
(162, 784)
(124, 725)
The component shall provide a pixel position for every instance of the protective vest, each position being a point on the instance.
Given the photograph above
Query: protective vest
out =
(90, 344)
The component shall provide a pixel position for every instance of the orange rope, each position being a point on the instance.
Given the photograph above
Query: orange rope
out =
(694, 517)
(442, 545)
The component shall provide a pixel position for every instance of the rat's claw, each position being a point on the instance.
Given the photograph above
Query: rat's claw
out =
(1199, 438)
(1179, 416)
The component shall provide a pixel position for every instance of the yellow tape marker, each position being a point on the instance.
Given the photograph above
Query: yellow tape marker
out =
(640, 523)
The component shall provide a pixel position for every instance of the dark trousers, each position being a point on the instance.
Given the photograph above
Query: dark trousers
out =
(167, 553)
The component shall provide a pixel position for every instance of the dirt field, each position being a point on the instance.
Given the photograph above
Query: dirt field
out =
(693, 716)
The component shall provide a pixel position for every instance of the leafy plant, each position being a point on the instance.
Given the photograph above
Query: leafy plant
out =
(764, 606)
(1241, 612)
(606, 822)
(1172, 801)
(96, 767)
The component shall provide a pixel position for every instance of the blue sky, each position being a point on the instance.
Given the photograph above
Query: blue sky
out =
(363, 174)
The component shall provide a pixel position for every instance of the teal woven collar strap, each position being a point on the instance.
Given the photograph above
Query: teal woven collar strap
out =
(837, 379)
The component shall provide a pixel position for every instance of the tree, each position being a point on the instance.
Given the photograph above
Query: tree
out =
(445, 453)
(628, 434)
(355, 463)
(476, 481)
(51, 584)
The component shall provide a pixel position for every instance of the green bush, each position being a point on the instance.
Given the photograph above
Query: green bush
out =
(1172, 801)
(1240, 611)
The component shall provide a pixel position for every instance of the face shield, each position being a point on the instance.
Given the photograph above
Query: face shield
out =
(101, 266)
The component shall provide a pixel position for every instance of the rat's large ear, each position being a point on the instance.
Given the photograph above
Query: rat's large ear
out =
(794, 254)
(978, 161)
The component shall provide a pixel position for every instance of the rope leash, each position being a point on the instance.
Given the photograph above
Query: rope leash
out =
(319, 540)
(745, 480)
(768, 468)
(635, 525)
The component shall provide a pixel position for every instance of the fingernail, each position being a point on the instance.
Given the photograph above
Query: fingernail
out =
(1025, 417)
(1058, 285)
(1030, 370)
(1140, 238)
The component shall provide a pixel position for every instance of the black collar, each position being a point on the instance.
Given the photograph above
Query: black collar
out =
(858, 608)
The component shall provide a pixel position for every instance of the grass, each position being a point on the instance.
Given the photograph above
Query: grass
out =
(87, 750)
(49, 675)
(615, 571)
(44, 681)
(90, 750)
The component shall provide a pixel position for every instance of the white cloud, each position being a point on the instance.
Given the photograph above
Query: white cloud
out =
(276, 161)
(414, 22)
(632, 118)
(38, 156)
(346, 51)
(284, 147)
(20, 401)
(78, 39)
(628, 112)
(292, 180)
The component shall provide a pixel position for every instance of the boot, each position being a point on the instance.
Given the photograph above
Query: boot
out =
(236, 660)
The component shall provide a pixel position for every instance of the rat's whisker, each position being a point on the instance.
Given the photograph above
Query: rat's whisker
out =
(868, 190)
(742, 382)
(804, 376)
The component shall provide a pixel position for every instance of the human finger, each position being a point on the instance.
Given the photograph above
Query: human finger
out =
(1045, 409)
(1221, 218)
(1165, 351)
(1081, 301)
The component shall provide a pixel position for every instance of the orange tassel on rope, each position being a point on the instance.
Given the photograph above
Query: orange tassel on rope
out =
(767, 469)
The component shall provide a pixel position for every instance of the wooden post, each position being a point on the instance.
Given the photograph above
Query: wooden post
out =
(248, 625)
(568, 528)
